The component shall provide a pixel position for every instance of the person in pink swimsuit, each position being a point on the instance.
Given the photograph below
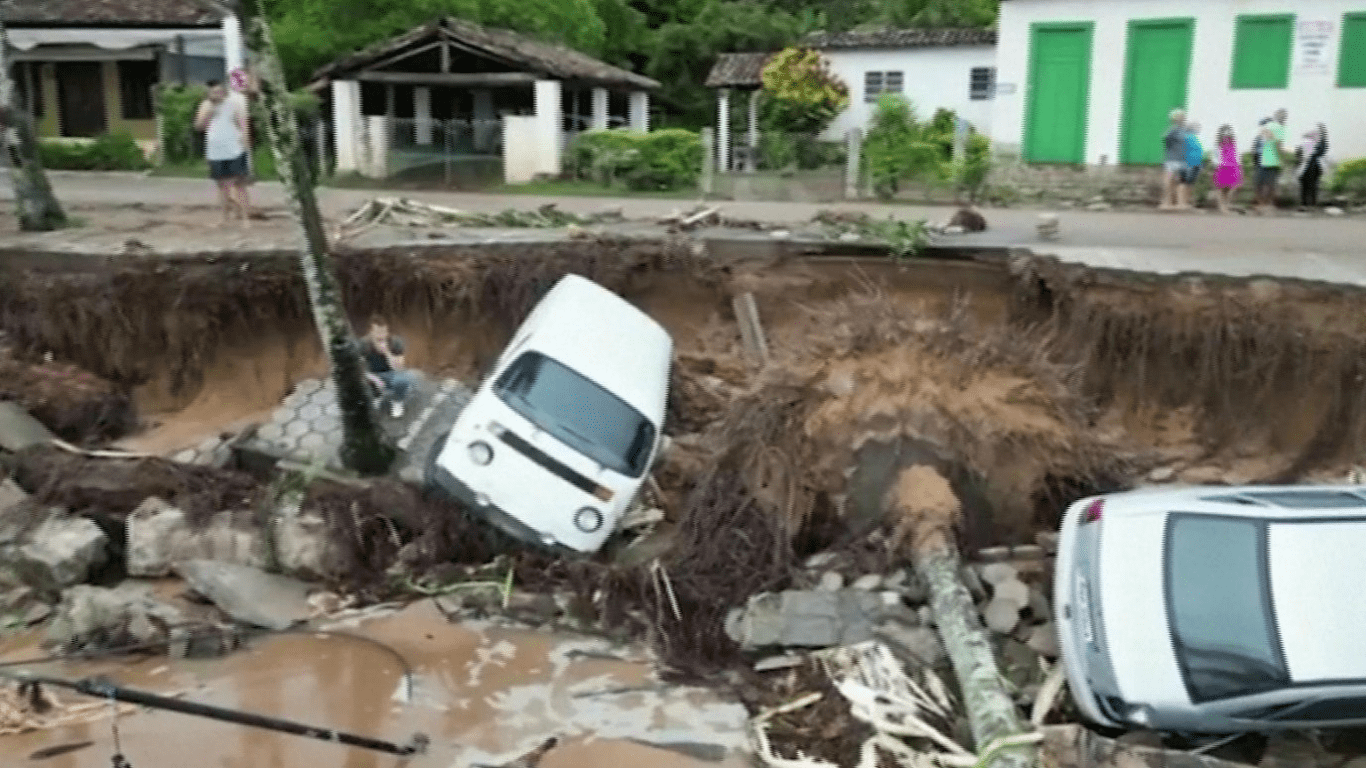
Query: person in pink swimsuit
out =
(1229, 175)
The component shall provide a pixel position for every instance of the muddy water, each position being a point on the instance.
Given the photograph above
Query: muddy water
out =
(483, 695)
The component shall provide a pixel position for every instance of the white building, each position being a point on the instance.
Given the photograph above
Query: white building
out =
(933, 68)
(1093, 82)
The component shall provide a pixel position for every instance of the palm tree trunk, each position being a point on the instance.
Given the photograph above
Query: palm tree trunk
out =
(928, 510)
(365, 448)
(39, 210)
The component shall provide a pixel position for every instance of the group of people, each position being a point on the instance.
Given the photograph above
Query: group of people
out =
(1184, 157)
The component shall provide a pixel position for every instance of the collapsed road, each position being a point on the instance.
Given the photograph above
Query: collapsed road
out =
(1024, 383)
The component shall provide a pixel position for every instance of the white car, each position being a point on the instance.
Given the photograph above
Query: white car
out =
(559, 437)
(1212, 609)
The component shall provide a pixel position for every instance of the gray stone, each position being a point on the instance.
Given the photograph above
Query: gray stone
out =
(820, 560)
(891, 599)
(303, 546)
(954, 229)
(61, 552)
(916, 646)
(1333, 210)
(296, 428)
(311, 411)
(37, 614)
(993, 554)
(1043, 640)
(309, 386)
(868, 582)
(186, 456)
(1039, 606)
(995, 573)
(1099, 207)
(248, 595)
(773, 663)
(229, 538)
(1027, 552)
(1001, 616)
(19, 430)
(895, 579)
(1012, 591)
(1161, 475)
(926, 615)
(91, 618)
(156, 534)
(313, 441)
(805, 619)
(1048, 540)
(831, 581)
(271, 432)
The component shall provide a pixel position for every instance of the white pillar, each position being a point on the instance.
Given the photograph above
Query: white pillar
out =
(346, 124)
(640, 111)
(754, 118)
(377, 166)
(723, 130)
(234, 56)
(485, 125)
(599, 120)
(549, 124)
(422, 114)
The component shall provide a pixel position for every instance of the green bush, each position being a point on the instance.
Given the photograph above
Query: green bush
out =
(898, 147)
(660, 160)
(112, 152)
(1349, 179)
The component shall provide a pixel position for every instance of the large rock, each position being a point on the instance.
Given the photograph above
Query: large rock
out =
(61, 552)
(1013, 591)
(11, 526)
(1001, 616)
(807, 619)
(249, 595)
(304, 548)
(916, 646)
(158, 535)
(95, 618)
(19, 430)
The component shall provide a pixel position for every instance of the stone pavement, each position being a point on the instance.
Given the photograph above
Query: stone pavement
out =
(1284, 245)
(306, 428)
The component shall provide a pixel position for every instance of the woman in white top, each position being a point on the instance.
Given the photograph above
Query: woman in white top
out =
(223, 118)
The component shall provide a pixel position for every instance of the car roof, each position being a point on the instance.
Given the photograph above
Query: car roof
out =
(604, 337)
(1316, 572)
(1260, 501)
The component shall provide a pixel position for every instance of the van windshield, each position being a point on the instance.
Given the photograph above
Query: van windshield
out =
(578, 412)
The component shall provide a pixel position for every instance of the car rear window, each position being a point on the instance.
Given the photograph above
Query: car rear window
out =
(578, 411)
(1219, 603)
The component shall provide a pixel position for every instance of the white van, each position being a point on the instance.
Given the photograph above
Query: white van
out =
(560, 435)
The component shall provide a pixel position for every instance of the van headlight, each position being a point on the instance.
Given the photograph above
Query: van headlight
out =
(481, 453)
(588, 519)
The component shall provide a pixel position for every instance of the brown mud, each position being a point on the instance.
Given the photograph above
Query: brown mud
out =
(484, 695)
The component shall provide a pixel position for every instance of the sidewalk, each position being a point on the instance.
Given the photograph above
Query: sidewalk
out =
(1319, 248)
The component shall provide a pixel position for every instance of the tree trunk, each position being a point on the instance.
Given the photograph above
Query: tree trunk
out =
(38, 209)
(928, 509)
(365, 448)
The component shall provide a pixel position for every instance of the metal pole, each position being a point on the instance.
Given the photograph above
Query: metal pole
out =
(105, 689)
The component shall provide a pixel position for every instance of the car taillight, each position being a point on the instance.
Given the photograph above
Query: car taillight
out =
(1093, 510)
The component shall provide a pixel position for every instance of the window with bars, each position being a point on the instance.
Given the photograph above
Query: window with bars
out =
(136, 81)
(982, 83)
(877, 84)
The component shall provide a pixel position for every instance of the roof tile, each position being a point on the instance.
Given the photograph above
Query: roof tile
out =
(124, 13)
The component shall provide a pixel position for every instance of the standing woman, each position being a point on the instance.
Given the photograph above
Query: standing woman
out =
(1229, 175)
(1311, 173)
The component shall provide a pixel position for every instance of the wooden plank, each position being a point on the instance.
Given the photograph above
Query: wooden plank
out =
(751, 331)
(449, 78)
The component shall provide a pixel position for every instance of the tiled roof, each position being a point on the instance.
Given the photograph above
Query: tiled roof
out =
(122, 13)
(738, 70)
(503, 45)
(903, 38)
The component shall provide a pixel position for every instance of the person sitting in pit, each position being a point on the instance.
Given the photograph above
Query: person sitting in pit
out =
(386, 367)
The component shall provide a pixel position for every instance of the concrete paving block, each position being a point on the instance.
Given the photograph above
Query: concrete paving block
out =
(271, 432)
(309, 386)
(312, 441)
(310, 411)
(296, 428)
(330, 408)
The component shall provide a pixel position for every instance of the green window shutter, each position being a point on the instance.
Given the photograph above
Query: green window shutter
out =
(1261, 51)
(1352, 52)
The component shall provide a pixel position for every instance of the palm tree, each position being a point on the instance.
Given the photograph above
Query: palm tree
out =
(365, 449)
(39, 210)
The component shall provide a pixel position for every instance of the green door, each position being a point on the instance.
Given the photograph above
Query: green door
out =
(1155, 79)
(1059, 90)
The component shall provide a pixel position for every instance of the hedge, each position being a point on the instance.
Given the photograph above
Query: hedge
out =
(1349, 179)
(660, 160)
(112, 152)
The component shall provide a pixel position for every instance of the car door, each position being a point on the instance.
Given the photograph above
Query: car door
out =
(1308, 710)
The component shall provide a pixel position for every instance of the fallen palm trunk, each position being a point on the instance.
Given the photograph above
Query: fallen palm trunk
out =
(928, 509)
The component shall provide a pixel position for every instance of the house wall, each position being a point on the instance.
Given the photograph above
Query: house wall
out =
(1312, 95)
(50, 125)
(933, 78)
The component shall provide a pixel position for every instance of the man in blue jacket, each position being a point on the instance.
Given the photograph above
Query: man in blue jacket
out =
(1195, 159)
